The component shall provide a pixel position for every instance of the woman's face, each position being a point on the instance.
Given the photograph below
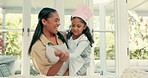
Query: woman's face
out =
(77, 27)
(51, 24)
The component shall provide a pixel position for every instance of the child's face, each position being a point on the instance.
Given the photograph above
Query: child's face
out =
(77, 27)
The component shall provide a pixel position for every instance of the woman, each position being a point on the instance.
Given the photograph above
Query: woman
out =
(46, 35)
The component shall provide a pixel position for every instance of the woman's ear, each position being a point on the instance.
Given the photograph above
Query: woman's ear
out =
(43, 21)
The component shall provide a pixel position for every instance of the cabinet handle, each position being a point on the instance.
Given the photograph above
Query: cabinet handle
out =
(22, 31)
(28, 30)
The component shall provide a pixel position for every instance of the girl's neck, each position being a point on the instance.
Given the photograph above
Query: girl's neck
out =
(74, 37)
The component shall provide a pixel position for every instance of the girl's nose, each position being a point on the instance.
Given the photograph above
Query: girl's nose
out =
(74, 28)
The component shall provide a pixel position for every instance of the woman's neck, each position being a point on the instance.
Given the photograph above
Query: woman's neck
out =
(52, 38)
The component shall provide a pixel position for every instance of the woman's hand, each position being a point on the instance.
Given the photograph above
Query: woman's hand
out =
(63, 56)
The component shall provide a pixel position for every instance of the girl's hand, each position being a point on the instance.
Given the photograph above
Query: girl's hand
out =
(63, 56)
(58, 53)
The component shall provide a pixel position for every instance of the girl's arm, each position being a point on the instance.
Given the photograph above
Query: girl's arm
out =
(79, 49)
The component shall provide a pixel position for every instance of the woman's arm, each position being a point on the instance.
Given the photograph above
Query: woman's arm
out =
(66, 73)
(55, 68)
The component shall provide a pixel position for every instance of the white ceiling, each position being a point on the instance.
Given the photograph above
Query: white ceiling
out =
(139, 6)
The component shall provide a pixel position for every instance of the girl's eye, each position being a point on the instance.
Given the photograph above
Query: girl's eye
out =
(78, 26)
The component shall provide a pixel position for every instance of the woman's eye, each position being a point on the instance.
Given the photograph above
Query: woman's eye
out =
(72, 26)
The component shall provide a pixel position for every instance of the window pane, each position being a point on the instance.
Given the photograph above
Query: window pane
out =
(69, 9)
(138, 43)
(13, 21)
(109, 49)
(37, 6)
(104, 36)
(12, 45)
(110, 15)
(107, 16)
(138, 38)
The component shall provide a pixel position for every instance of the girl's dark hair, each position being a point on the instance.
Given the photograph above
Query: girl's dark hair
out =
(45, 13)
(87, 32)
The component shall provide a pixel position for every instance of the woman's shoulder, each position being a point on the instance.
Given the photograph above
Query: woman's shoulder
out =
(38, 48)
(37, 45)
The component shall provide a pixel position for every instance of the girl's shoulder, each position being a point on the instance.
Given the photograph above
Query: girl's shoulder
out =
(83, 37)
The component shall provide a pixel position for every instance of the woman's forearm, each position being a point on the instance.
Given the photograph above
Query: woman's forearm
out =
(66, 73)
(55, 68)
(63, 57)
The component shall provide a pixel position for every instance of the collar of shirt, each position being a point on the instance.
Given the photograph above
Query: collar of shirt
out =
(45, 41)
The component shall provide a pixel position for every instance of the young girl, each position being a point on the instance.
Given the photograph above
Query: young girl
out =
(79, 42)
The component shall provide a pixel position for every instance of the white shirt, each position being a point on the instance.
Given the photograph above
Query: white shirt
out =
(76, 47)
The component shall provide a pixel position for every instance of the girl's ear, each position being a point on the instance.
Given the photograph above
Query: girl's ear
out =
(69, 28)
(84, 27)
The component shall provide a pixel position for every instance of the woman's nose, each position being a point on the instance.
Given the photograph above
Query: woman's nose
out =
(59, 23)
